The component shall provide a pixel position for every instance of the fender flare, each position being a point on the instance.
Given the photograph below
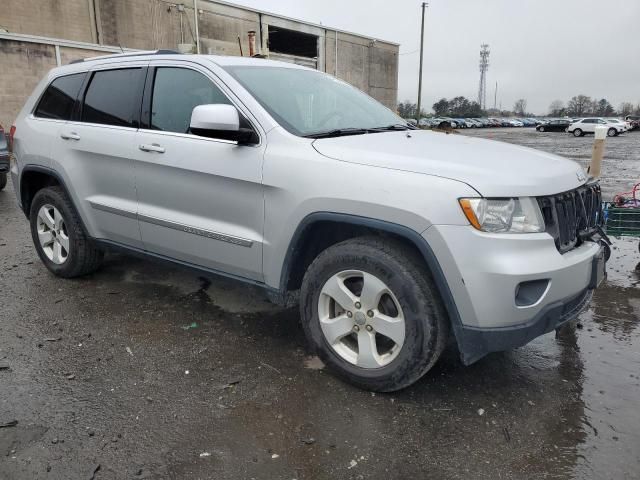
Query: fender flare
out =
(405, 232)
(52, 173)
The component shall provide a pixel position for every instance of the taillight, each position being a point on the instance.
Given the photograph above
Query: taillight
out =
(12, 132)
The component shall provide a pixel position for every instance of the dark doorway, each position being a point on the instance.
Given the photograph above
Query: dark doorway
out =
(290, 42)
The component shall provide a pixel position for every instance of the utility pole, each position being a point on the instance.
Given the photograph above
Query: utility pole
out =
(424, 6)
(495, 96)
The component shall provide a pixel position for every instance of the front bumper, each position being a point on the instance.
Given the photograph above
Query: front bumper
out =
(485, 273)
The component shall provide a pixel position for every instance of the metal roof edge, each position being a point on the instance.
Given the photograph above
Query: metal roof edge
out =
(284, 17)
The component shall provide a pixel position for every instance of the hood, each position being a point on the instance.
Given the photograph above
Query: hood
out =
(494, 169)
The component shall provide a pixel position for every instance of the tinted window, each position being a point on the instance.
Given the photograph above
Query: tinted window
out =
(112, 97)
(176, 92)
(588, 120)
(57, 101)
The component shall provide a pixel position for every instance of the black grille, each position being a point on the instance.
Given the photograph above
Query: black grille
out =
(573, 216)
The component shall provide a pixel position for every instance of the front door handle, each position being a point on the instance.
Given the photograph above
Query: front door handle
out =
(70, 136)
(154, 147)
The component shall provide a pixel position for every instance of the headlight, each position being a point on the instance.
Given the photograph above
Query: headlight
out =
(504, 215)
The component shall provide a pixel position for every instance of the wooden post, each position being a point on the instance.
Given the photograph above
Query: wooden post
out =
(598, 152)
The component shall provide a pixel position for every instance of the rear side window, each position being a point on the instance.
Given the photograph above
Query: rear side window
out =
(176, 92)
(112, 97)
(59, 97)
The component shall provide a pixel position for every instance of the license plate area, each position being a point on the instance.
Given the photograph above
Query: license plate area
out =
(598, 270)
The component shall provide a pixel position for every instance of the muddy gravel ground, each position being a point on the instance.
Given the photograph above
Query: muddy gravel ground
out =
(144, 370)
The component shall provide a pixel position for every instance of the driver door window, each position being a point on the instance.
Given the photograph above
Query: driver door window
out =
(176, 92)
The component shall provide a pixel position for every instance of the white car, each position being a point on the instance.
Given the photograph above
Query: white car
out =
(622, 123)
(588, 125)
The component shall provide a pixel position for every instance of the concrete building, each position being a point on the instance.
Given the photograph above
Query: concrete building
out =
(36, 35)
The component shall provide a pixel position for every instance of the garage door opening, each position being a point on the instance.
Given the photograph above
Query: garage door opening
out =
(290, 42)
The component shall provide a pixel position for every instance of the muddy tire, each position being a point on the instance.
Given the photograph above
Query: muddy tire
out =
(577, 133)
(354, 297)
(58, 235)
(3, 180)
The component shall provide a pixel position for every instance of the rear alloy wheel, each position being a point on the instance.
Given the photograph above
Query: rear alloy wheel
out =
(577, 132)
(59, 237)
(52, 234)
(373, 314)
(541, 129)
(612, 132)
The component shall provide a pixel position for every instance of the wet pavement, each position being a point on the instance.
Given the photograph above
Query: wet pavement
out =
(143, 370)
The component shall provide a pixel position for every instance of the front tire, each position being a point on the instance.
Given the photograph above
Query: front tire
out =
(59, 237)
(541, 129)
(372, 313)
(3, 181)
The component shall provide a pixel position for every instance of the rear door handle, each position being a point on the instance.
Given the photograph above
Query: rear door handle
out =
(70, 136)
(154, 147)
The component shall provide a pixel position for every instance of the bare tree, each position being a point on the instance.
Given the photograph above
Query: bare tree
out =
(626, 108)
(556, 109)
(579, 105)
(520, 107)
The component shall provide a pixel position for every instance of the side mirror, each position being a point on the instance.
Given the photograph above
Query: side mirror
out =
(220, 121)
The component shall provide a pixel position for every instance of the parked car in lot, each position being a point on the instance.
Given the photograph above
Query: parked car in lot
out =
(634, 121)
(4, 158)
(392, 238)
(588, 125)
(621, 123)
(560, 125)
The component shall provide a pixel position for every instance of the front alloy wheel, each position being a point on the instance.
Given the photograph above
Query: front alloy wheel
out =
(361, 319)
(372, 312)
(52, 234)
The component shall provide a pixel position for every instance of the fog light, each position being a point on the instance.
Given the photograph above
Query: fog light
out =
(531, 292)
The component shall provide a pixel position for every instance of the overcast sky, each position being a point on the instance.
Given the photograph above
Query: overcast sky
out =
(541, 50)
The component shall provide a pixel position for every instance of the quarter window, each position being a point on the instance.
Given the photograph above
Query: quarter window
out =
(112, 97)
(176, 92)
(57, 101)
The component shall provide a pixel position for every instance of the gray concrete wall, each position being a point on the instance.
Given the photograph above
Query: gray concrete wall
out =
(22, 67)
(68, 19)
(370, 65)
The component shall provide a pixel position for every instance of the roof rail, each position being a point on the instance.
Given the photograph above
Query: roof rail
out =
(128, 54)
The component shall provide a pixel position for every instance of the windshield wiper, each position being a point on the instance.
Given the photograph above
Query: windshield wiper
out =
(340, 132)
(395, 126)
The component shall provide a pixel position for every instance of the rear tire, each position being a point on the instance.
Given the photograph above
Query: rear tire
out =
(3, 180)
(541, 129)
(410, 293)
(612, 132)
(577, 133)
(58, 235)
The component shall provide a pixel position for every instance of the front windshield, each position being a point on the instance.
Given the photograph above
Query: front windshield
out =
(307, 102)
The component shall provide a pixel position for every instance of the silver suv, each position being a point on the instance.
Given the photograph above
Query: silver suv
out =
(394, 240)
